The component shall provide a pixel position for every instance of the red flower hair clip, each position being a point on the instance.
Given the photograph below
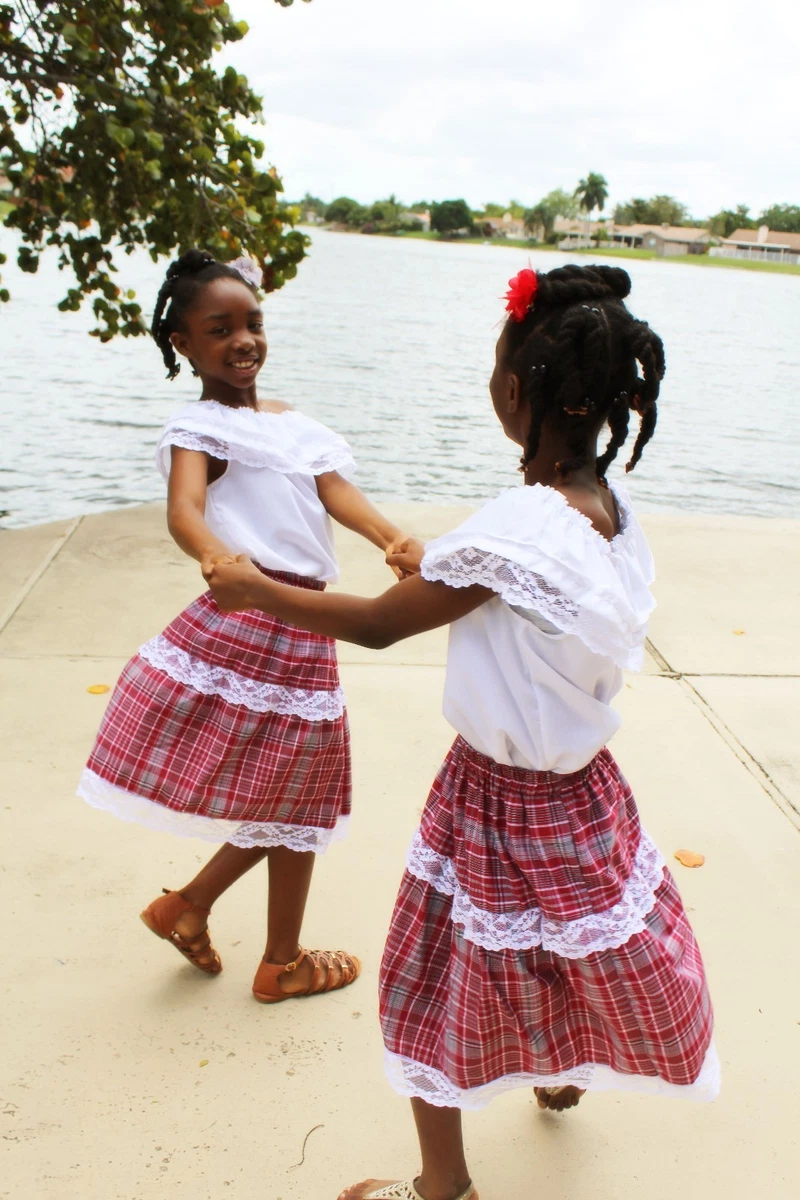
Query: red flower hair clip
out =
(521, 294)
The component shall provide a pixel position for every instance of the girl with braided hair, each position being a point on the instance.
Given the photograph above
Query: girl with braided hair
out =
(538, 938)
(233, 728)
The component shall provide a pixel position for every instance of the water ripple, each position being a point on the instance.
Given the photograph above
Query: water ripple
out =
(402, 372)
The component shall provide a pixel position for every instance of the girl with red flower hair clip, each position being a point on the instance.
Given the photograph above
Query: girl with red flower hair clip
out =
(538, 939)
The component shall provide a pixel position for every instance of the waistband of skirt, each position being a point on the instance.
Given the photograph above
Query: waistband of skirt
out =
(303, 581)
(463, 751)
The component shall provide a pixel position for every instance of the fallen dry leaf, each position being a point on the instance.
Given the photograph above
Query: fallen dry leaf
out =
(98, 689)
(689, 858)
(738, 632)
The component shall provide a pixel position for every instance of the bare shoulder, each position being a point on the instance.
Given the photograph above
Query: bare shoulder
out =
(599, 509)
(274, 406)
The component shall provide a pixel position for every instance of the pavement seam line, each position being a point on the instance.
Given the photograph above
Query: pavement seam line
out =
(36, 575)
(748, 760)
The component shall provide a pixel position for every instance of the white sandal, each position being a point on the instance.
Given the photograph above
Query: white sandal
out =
(405, 1190)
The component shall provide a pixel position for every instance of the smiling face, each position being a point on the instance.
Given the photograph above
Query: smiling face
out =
(223, 337)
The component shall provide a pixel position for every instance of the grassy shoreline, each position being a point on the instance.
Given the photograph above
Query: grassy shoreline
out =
(696, 260)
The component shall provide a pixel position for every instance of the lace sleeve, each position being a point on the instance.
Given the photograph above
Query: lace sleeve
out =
(204, 442)
(513, 583)
(599, 628)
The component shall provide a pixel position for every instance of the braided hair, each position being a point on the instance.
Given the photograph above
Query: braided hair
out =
(185, 279)
(578, 353)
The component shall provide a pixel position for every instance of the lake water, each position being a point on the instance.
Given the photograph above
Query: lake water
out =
(391, 342)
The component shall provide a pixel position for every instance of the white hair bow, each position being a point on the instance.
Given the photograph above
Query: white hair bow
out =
(249, 270)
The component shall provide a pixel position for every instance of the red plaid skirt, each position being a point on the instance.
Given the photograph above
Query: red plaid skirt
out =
(224, 725)
(539, 939)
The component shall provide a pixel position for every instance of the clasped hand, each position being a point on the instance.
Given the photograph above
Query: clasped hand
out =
(231, 580)
(404, 556)
(231, 577)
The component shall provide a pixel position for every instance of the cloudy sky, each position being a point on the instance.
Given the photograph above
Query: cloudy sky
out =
(493, 99)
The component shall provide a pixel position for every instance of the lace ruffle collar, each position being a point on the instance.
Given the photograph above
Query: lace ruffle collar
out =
(288, 441)
(537, 552)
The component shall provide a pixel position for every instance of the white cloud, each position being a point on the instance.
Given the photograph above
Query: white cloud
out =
(502, 98)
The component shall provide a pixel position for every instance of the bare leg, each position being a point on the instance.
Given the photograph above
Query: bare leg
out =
(220, 872)
(444, 1171)
(289, 880)
(290, 874)
(444, 1168)
(222, 869)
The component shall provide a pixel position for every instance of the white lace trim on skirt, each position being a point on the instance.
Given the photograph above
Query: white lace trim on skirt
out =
(411, 1078)
(246, 834)
(523, 930)
(211, 680)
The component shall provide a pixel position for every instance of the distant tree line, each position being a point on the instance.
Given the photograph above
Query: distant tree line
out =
(451, 218)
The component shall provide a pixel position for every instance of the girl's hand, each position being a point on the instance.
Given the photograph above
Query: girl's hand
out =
(210, 559)
(232, 581)
(404, 556)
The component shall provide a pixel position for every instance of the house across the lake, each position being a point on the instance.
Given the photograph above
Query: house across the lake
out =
(760, 245)
(665, 240)
(502, 227)
(423, 218)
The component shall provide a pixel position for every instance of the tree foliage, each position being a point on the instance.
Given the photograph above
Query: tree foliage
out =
(592, 192)
(514, 207)
(312, 204)
(449, 216)
(785, 218)
(723, 223)
(541, 218)
(117, 132)
(344, 210)
(658, 210)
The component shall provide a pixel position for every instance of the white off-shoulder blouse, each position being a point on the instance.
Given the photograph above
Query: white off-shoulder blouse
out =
(531, 673)
(266, 504)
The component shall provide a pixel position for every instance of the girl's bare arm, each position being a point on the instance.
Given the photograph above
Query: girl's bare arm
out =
(186, 503)
(348, 505)
(411, 606)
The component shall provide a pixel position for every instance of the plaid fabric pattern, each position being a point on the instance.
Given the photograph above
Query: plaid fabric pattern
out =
(533, 839)
(479, 1015)
(257, 645)
(199, 754)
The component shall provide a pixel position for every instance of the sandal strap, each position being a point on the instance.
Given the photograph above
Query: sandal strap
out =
(402, 1190)
(331, 979)
(333, 969)
(406, 1190)
(192, 947)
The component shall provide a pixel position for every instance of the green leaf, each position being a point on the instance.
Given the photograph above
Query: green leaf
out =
(121, 134)
(156, 129)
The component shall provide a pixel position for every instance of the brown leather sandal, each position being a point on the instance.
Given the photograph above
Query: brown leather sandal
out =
(160, 918)
(333, 969)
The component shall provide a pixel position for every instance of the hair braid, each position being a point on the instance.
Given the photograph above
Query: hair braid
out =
(160, 331)
(648, 350)
(618, 423)
(580, 328)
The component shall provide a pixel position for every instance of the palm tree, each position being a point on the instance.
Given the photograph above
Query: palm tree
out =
(592, 193)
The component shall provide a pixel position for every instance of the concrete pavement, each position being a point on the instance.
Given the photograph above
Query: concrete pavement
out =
(127, 1076)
